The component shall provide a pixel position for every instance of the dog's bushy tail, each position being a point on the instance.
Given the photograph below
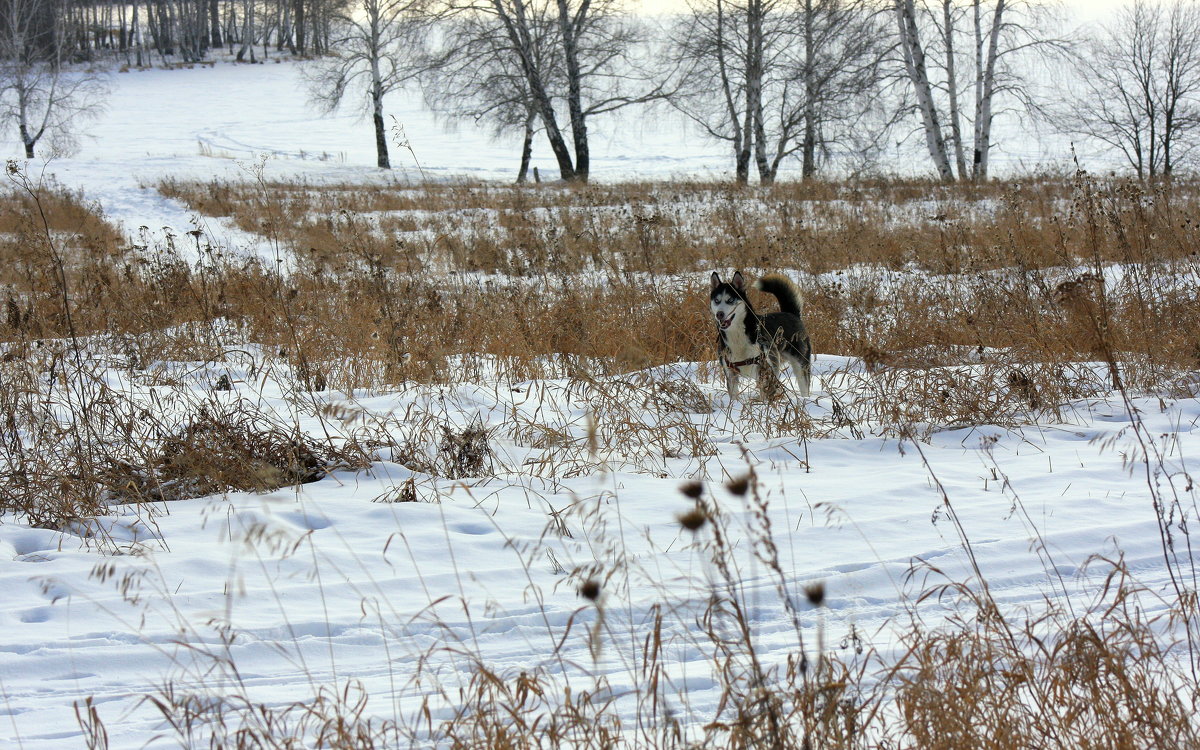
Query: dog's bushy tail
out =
(784, 290)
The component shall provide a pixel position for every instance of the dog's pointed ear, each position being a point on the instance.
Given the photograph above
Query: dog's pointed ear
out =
(715, 280)
(738, 281)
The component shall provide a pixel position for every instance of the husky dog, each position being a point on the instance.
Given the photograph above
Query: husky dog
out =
(754, 345)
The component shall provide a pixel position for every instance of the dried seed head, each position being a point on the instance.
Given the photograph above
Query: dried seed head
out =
(815, 593)
(692, 489)
(693, 519)
(590, 590)
(739, 486)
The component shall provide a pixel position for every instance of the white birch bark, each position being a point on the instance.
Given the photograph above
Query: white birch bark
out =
(374, 20)
(986, 89)
(948, 34)
(914, 63)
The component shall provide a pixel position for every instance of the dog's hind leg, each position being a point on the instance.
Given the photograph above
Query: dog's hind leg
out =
(803, 375)
(801, 364)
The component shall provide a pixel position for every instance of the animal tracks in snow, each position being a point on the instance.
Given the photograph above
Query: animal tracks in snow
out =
(306, 520)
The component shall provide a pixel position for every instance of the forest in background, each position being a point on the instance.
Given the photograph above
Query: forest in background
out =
(816, 86)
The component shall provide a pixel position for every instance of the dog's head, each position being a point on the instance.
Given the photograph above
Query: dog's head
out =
(727, 300)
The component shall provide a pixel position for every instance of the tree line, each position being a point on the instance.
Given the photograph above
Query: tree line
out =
(781, 82)
(145, 31)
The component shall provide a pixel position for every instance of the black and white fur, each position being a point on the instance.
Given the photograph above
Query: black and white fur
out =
(755, 346)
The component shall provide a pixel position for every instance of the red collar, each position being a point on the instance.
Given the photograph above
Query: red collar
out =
(736, 366)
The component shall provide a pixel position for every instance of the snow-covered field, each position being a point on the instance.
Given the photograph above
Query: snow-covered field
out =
(278, 597)
(274, 597)
(224, 121)
(227, 120)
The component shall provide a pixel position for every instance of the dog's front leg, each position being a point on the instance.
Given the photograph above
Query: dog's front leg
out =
(732, 381)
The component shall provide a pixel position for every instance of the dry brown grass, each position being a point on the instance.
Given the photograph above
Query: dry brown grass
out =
(899, 274)
(681, 227)
(991, 680)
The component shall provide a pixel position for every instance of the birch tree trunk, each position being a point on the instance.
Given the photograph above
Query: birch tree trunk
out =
(960, 158)
(32, 132)
(743, 157)
(283, 21)
(137, 33)
(569, 25)
(214, 21)
(377, 90)
(247, 32)
(124, 31)
(166, 26)
(754, 83)
(985, 87)
(301, 20)
(526, 148)
(914, 64)
(28, 136)
(516, 26)
(741, 153)
(808, 148)
(381, 147)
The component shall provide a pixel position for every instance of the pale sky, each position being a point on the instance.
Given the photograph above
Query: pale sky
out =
(1094, 10)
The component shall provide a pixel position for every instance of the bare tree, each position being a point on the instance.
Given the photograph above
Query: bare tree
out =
(520, 22)
(248, 34)
(779, 77)
(1140, 86)
(477, 74)
(719, 57)
(844, 47)
(936, 38)
(584, 63)
(379, 47)
(37, 95)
